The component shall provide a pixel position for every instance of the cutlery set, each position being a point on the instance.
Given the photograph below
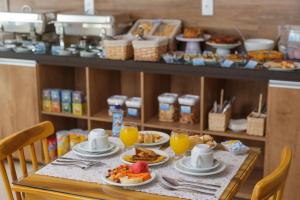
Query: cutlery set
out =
(190, 186)
(81, 163)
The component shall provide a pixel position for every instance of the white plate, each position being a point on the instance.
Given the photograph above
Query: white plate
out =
(266, 65)
(84, 146)
(164, 139)
(224, 46)
(182, 170)
(89, 155)
(200, 39)
(186, 163)
(159, 152)
(106, 180)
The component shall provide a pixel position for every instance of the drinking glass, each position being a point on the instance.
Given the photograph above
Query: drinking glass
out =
(129, 134)
(179, 142)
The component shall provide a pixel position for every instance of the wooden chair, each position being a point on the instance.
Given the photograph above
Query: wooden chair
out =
(271, 187)
(16, 143)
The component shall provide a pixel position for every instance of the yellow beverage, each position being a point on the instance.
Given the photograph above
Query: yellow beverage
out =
(129, 135)
(179, 143)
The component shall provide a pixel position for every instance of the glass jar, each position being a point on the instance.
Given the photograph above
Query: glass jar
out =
(134, 105)
(116, 102)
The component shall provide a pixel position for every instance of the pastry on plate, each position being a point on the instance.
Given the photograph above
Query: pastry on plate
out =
(224, 39)
(143, 154)
(149, 137)
(235, 58)
(201, 139)
(280, 64)
(192, 32)
(265, 55)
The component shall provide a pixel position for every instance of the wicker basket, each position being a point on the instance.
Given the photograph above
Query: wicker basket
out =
(120, 49)
(219, 121)
(256, 125)
(150, 49)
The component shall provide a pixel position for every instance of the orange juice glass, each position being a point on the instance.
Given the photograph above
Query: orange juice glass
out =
(179, 142)
(129, 134)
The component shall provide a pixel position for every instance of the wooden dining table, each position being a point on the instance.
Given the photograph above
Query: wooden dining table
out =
(37, 187)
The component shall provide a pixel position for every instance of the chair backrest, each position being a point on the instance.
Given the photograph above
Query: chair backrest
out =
(16, 143)
(272, 186)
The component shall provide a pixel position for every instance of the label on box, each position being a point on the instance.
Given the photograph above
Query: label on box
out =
(198, 62)
(164, 106)
(66, 96)
(117, 123)
(132, 112)
(55, 107)
(55, 95)
(185, 109)
(46, 105)
(251, 64)
(227, 63)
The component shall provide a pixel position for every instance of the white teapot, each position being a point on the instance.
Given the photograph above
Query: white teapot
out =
(202, 156)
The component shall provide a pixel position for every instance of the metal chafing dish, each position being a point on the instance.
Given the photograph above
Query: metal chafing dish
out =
(99, 25)
(24, 24)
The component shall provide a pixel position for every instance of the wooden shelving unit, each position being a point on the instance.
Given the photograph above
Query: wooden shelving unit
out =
(99, 84)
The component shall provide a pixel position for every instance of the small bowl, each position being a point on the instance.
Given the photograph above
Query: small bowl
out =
(259, 44)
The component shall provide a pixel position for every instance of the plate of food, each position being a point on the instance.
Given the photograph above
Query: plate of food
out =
(152, 138)
(152, 157)
(202, 139)
(236, 58)
(282, 65)
(129, 175)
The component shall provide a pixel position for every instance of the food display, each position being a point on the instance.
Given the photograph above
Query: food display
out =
(192, 32)
(265, 55)
(149, 137)
(237, 58)
(202, 139)
(168, 107)
(130, 174)
(210, 57)
(281, 65)
(147, 26)
(224, 39)
(189, 109)
(165, 30)
(143, 154)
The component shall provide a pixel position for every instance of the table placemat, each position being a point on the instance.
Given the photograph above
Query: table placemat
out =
(93, 174)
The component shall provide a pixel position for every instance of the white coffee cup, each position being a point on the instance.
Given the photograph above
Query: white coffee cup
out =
(202, 156)
(98, 139)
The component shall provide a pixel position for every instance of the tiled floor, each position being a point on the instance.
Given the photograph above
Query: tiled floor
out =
(2, 190)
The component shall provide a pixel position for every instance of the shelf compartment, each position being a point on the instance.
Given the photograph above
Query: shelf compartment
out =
(156, 84)
(246, 93)
(105, 83)
(66, 123)
(155, 123)
(104, 117)
(69, 115)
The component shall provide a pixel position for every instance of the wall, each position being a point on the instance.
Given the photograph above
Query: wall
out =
(253, 17)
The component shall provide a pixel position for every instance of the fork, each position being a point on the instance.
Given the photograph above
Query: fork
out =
(168, 187)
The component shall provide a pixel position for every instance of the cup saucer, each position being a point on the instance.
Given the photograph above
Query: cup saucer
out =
(84, 146)
(186, 163)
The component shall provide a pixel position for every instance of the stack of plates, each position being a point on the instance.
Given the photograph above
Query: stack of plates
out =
(83, 150)
(184, 166)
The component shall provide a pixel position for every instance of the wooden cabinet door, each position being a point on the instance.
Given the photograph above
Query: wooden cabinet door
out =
(284, 129)
(18, 96)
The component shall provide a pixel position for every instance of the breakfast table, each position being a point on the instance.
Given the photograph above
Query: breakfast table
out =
(69, 182)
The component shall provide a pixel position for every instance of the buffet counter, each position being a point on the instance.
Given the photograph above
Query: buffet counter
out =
(214, 71)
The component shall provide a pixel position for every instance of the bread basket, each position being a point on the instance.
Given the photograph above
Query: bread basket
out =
(149, 49)
(119, 49)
